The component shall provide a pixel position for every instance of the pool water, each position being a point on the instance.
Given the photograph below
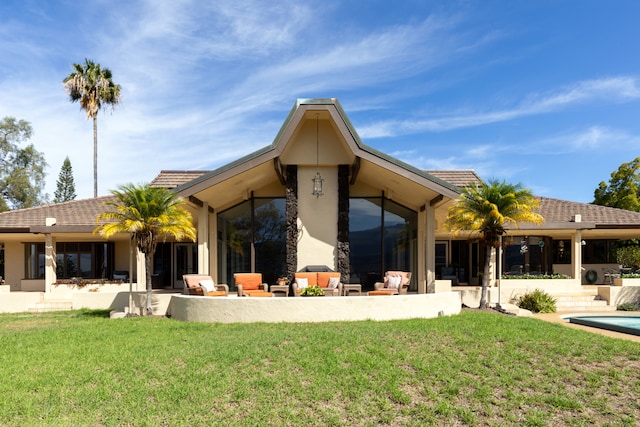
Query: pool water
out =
(625, 324)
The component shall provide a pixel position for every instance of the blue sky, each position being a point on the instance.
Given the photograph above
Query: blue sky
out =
(545, 93)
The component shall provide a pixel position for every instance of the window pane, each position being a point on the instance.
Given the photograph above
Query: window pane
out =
(234, 242)
(365, 241)
(35, 261)
(71, 264)
(270, 238)
(373, 252)
(562, 251)
(400, 237)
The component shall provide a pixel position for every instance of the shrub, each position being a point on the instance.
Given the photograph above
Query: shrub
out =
(629, 256)
(537, 301)
(535, 276)
(313, 290)
(629, 306)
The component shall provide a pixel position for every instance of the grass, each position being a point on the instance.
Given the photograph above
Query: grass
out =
(476, 369)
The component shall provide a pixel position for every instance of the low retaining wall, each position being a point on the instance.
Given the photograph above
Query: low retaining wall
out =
(526, 285)
(470, 295)
(67, 291)
(17, 302)
(120, 300)
(312, 309)
(617, 295)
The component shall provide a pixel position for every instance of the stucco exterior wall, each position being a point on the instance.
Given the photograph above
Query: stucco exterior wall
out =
(14, 265)
(317, 218)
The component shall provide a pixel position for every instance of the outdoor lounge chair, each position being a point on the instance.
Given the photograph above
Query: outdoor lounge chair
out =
(321, 278)
(251, 285)
(203, 285)
(394, 281)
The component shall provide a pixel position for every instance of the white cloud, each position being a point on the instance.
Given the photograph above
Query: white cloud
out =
(608, 90)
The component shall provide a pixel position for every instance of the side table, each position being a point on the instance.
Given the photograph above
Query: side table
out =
(348, 289)
(279, 290)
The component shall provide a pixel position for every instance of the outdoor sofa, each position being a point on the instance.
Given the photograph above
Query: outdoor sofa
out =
(328, 281)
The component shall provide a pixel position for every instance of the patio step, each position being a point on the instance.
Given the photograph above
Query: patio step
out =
(47, 305)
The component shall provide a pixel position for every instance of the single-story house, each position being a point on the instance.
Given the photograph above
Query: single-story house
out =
(317, 197)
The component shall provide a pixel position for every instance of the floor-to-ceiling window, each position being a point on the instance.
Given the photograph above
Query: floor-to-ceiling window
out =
(383, 236)
(269, 238)
(252, 238)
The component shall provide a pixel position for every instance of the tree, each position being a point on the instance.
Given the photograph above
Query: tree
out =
(148, 214)
(486, 209)
(93, 88)
(22, 170)
(65, 186)
(623, 190)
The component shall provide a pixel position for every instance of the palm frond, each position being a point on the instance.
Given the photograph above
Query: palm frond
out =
(488, 207)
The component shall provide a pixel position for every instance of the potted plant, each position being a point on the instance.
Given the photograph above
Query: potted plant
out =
(312, 291)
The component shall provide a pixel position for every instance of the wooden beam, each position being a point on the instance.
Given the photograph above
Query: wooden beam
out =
(199, 203)
(355, 169)
(436, 200)
(279, 171)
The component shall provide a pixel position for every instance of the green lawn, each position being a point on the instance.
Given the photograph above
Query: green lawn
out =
(81, 368)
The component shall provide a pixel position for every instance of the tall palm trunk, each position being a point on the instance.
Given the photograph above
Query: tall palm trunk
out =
(95, 157)
(485, 277)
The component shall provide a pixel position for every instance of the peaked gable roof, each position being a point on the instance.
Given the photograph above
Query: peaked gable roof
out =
(296, 114)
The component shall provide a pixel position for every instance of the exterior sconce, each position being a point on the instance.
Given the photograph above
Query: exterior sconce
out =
(317, 185)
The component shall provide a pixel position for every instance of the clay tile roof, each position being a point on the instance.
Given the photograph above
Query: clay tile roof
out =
(554, 210)
(459, 178)
(172, 179)
(73, 213)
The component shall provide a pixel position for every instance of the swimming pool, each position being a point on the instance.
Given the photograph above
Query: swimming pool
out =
(625, 324)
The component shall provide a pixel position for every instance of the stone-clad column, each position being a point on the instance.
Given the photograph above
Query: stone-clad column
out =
(344, 250)
(291, 207)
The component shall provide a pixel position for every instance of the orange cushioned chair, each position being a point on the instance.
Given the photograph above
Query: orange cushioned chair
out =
(250, 285)
(201, 284)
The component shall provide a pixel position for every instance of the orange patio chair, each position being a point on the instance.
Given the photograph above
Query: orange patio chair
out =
(251, 285)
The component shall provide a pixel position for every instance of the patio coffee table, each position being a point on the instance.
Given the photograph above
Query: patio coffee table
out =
(349, 288)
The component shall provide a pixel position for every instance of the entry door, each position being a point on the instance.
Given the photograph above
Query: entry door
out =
(186, 262)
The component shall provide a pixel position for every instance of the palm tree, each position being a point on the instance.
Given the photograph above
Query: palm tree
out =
(486, 208)
(94, 88)
(148, 214)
